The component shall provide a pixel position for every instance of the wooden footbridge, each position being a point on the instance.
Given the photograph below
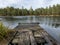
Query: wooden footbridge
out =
(31, 34)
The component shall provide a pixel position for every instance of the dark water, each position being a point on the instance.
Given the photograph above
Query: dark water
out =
(13, 21)
(49, 23)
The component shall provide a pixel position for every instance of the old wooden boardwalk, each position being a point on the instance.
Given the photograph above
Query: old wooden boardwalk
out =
(30, 34)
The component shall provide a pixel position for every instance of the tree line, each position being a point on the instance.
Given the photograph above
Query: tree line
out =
(11, 11)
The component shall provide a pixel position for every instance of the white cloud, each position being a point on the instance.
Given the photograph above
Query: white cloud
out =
(28, 3)
(33, 3)
(55, 2)
(5, 3)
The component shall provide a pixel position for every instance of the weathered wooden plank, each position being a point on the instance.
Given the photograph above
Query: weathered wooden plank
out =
(32, 39)
(24, 39)
(25, 36)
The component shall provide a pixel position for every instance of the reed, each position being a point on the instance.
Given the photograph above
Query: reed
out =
(5, 33)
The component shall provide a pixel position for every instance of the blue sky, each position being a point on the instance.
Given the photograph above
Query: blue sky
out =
(28, 3)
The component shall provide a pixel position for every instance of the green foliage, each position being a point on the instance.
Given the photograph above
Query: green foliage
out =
(3, 31)
(11, 11)
(31, 11)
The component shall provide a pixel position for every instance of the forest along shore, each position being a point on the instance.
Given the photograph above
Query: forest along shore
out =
(11, 11)
(33, 34)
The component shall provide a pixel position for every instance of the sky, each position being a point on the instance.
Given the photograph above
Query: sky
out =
(28, 3)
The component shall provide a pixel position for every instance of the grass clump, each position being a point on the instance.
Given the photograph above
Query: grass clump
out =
(5, 33)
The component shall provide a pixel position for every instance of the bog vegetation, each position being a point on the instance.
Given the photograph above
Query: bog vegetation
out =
(11, 11)
(5, 33)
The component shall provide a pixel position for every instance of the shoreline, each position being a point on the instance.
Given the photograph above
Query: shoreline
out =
(32, 15)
